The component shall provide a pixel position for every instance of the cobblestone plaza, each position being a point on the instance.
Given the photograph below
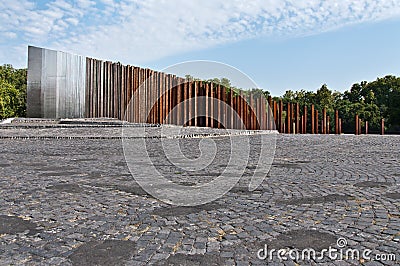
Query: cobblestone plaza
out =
(68, 198)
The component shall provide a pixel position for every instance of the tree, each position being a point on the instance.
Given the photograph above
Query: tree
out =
(16, 78)
(9, 100)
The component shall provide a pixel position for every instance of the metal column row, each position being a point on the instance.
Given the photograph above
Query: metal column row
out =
(145, 96)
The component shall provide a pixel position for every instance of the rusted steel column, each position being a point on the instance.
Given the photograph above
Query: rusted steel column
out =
(200, 104)
(366, 127)
(280, 117)
(324, 121)
(269, 112)
(359, 126)
(312, 119)
(302, 124)
(276, 114)
(153, 103)
(127, 94)
(152, 90)
(297, 118)
(207, 113)
(264, 109)
(305, 120)
(192, 102)
(235, 107)
(255, 113)
(196, 106)
(133, 97)
(216, 107)
(288, 118)
(243, 105)
(162, 98)
(219, 106)
(185, 103)
(141, 95)
(169, 98)
(340, 126)
(99, 99)
(224, 107)
(230, 109)
(336, 122)
(328, 125)
(245, 108)
(159, 98)
(250, 111)
(147, 112)
(259, 114)
(244, 111)
(240, 110)
(178, 96)
(88, 92)
(173, 100)
(316, 122)
(122, 94)
(211, 111)
(154, 96)
(138, 94)
(222, 122)
(382, 126)
(292, 118)
(166, 98)
(103, 87)
(175, 95)
(120, 87)
(357, 121)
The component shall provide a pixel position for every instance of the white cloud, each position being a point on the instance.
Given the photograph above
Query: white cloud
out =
(134, 31)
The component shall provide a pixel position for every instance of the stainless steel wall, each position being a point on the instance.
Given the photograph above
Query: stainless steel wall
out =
(56, 84)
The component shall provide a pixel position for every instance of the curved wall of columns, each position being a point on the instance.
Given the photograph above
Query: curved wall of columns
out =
(62, 85)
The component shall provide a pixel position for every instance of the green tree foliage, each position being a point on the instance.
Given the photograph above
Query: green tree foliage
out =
(8, 100)
(12, 92)
(373, 101)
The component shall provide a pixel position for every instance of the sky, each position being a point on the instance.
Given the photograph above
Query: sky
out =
(279, 44)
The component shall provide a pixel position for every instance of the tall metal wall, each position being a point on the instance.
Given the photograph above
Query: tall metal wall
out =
(56, 84)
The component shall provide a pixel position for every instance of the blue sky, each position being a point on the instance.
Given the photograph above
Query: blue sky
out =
(280, 44)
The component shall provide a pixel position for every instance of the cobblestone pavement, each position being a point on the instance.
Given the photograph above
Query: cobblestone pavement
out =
(74, 202)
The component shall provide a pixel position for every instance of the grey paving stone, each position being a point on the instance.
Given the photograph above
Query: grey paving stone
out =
(66, 192)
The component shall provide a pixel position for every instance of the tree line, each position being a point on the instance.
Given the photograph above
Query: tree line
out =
(12, 92)
(372, 100)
